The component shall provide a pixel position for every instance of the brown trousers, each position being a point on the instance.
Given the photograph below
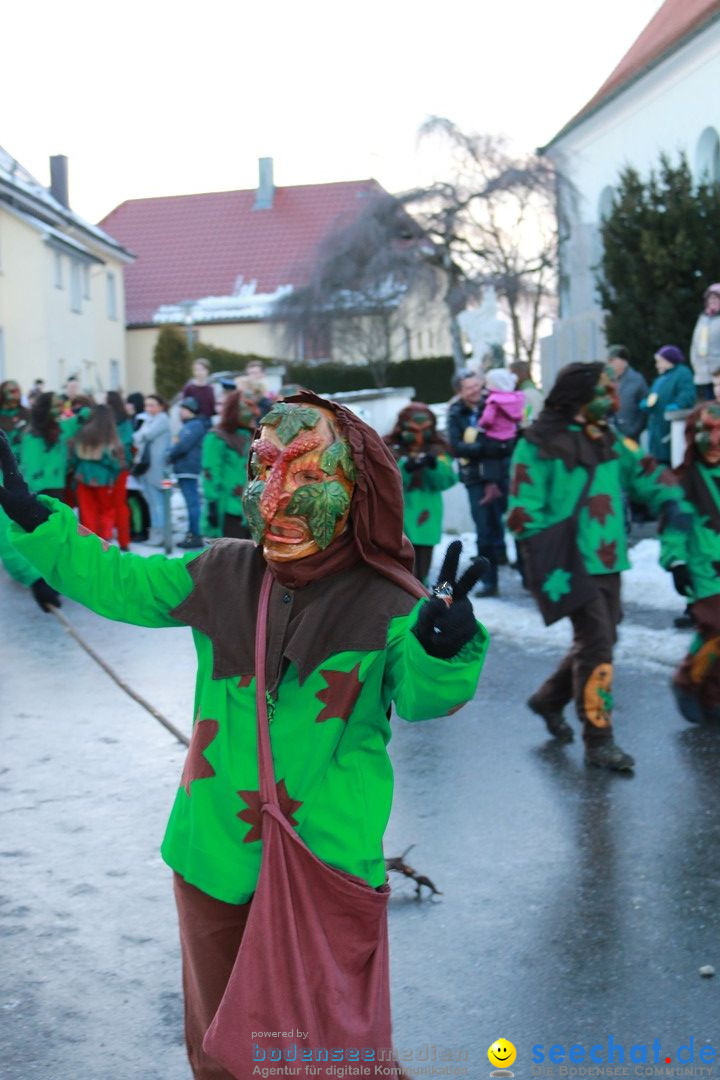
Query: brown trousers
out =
(210, 935)
(585, 674)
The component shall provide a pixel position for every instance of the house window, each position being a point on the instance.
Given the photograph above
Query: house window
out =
(111, 296)
(58, 269)
(605, 203)
(75, 286)
(114, 374)
(707, 157)
(86, 281)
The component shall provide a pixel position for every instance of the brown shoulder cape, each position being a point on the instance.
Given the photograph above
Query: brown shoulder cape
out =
(347, 611)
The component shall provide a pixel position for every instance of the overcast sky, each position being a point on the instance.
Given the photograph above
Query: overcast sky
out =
(163, 98)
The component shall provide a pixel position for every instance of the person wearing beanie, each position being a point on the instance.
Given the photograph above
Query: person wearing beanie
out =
(185, 457)
(705, 345)
(569, 473)
(350, 631)
(630, 419)
(673, 389)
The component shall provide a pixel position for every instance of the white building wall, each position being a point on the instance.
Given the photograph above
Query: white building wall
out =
(674, 108)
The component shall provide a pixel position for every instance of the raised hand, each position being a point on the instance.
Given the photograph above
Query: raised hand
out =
(446, 622)
(16, 499)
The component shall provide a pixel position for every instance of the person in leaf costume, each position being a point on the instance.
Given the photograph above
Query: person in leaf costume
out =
(13, 414)
(570, 441)
(696, 683)
(350, 632)
(225, 453)
(425, 462)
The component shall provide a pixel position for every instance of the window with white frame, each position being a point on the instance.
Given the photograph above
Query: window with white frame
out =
(86, 281)
(111, 296)
(58, 269)
(114, 374)
(75, 285)
(707, 157)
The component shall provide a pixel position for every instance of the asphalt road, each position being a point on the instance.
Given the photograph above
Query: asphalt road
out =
(576, 905)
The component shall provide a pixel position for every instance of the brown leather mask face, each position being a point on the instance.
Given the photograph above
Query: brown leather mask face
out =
(298, 500)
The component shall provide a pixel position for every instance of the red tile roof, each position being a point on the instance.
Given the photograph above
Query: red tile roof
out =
(670, 26)
(192, 246)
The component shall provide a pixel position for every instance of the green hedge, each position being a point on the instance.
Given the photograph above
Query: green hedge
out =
(430, 376)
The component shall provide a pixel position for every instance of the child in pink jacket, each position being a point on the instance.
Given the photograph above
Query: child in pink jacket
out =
(504, 406)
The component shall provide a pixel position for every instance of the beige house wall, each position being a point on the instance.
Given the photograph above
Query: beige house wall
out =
(43, 337)
(246, 337)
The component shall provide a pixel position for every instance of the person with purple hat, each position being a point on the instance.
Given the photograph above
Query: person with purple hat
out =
(705, 347)
(673, 389)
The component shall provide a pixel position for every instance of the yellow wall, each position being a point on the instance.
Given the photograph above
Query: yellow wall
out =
(43, 337)
(253, 337)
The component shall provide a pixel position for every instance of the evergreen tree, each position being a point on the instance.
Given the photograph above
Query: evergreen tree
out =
(661, 248)
(172, 362)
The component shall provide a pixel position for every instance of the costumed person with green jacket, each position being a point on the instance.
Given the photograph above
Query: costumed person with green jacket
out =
(570, 462)
(696, 683)
(225, 452)
(425, 462)
(347, 637)
(22, 571)
(43, 453)
(13, 414)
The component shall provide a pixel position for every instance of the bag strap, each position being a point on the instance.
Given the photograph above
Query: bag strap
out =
(266, 771)
(584, 493)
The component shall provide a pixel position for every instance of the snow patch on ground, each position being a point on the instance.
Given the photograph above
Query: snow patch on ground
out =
(647, 583)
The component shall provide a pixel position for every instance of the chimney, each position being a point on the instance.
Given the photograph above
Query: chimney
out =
(59, 179)
(266, 186)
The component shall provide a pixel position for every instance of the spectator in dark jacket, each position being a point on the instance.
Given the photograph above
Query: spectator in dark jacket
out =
(630, 418)
(185, 457)
(484, 468)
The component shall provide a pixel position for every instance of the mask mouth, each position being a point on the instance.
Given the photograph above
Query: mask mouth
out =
(285, 531)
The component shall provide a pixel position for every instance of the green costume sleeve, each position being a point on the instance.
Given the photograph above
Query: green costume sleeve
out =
(16, 566)
(118, 585)
(648, 482)
(422, 686)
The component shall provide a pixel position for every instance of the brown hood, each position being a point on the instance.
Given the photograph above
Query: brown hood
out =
(375, 527)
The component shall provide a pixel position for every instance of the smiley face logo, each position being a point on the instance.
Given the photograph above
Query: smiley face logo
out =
(502, 1053)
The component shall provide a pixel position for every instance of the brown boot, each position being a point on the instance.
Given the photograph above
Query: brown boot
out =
(555, 722)
(608, 755)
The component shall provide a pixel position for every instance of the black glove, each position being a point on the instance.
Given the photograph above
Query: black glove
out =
(430, 461)
(16, 499)
(45, 594)
(682, 579)
(412, 464)
(441, 630)
(213, 517)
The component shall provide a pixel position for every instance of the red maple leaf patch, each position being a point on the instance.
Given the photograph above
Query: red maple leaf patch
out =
(197, 766)
(667, 478)
(339, 697)
(238, 490)
(521, 475)
(607, 553)
(423, 516)
(244, 681)
(600, 508)
(253, 812)
(648, 465)
(517, 519)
